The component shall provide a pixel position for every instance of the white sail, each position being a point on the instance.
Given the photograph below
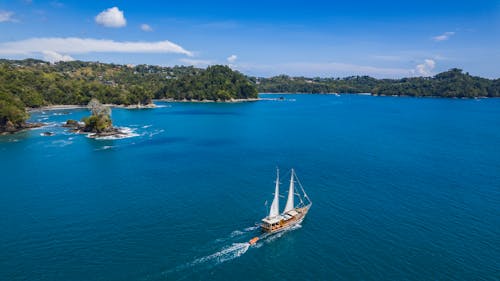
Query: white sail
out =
(275, 206)
(291, 192)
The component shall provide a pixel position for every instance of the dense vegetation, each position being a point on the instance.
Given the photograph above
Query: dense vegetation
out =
(216, 83)
(452, 83)
(39, 83)
(287, 84)
(12, 112)
(35, 83)
(100, 119)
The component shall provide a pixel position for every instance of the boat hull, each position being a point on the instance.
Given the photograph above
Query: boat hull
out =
(285, 223)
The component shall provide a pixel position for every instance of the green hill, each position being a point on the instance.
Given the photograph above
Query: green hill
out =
(452, 83)
(35, 83)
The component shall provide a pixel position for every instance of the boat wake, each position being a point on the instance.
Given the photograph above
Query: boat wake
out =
(228, 252)
(225, 254)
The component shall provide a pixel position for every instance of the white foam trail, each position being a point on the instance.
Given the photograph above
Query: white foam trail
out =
(226, 254)
(60, 143)
(47, 125)
(151, 134)
(156, 132)
(229, 252)
(125, 133)
(236, 233)
(252, 228)
(106, 147)
(146, 126)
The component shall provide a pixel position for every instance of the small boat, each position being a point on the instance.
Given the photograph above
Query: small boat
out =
(292, 214)
(253, 240)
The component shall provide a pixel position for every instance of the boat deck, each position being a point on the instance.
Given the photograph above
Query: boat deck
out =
(284, 221)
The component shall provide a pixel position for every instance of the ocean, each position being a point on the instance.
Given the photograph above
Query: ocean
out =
(402, 189)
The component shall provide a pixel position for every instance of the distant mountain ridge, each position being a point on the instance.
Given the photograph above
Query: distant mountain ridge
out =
(451, 83)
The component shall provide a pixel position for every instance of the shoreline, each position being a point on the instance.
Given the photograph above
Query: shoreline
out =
(209, 101)
(76, 106)
(380, 95)
(134, 106)
(169, 100)
(26, 126)
(311, 94)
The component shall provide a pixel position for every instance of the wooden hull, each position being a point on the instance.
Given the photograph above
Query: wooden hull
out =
(284, 223)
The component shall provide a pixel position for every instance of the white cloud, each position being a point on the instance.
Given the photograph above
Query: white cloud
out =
(146, 27)
(443, 37)
(75, 45)
(111, 17)
(232, 58)
(52, 56)
(6, 16)
(425, 69)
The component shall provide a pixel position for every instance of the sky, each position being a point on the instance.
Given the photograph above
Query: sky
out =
(383, 39)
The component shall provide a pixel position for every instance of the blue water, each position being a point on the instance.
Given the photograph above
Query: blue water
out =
(402, 189)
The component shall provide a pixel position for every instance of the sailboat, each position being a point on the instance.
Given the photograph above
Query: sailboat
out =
(293, 214)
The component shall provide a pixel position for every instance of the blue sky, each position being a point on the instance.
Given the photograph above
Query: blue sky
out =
(263, 38)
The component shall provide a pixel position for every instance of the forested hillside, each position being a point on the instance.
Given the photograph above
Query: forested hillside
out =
(452, 83)
(35, 83)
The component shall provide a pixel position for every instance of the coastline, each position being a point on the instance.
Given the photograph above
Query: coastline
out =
(209, 101)
(307, 94)
(134, 106)
(25, 126)
(76, 106)
(152, 105)
(381, 95)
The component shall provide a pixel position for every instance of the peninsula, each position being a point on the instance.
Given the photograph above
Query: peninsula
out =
(31, 83)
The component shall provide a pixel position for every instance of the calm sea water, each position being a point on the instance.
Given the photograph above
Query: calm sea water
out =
(402, 189)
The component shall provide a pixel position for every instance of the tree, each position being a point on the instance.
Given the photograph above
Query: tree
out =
(100, 120)
(12, 112)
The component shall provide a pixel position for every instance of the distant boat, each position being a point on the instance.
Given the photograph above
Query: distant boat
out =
(292, 214)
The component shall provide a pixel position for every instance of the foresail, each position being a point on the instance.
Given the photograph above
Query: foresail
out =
(276, 201)
(291, 192)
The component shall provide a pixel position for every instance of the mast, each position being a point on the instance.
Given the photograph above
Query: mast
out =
(291, 193)
(276, 201)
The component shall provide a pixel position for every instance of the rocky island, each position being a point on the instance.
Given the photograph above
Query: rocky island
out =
(98, 124)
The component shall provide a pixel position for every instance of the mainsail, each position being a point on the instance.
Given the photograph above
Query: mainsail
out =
(291, 192)
(276, 201)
